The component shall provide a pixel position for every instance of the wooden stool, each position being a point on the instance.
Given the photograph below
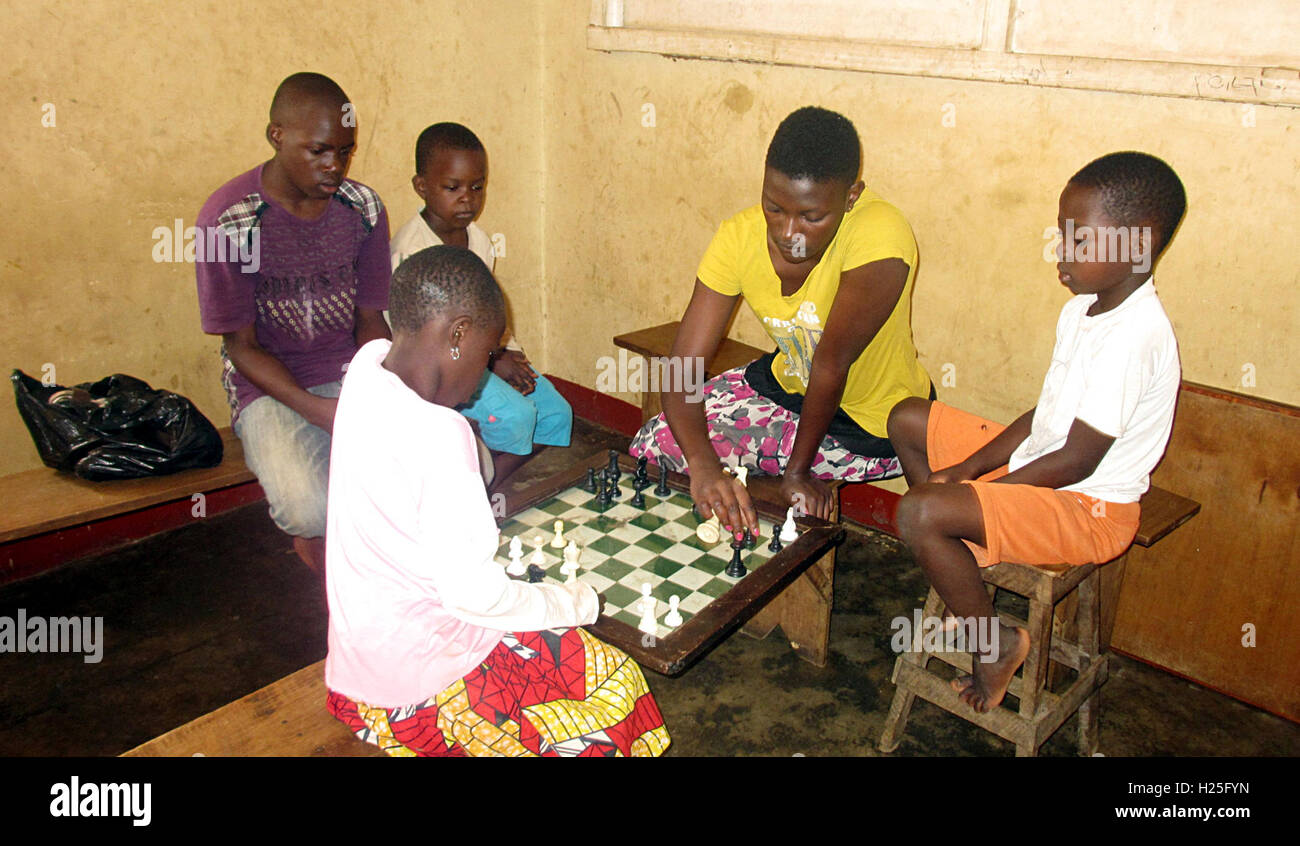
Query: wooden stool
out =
(1078, 642)
(1041, 711)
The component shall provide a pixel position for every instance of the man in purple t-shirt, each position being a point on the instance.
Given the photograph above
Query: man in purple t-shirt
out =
(294, 276)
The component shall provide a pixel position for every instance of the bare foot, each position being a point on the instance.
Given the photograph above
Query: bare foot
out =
(986, 687)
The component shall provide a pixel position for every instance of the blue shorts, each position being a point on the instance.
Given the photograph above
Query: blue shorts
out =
(511, 422)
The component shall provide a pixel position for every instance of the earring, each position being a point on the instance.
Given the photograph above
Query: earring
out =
(455, 353)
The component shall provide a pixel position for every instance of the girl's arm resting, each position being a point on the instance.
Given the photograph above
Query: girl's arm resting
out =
(482, 594)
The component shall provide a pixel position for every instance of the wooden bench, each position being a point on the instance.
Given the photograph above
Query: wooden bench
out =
(47, 513)
(284, 719)
(657, 342)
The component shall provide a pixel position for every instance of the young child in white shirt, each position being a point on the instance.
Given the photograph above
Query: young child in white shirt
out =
(1061, 484)
(432, 649)
(516, 409)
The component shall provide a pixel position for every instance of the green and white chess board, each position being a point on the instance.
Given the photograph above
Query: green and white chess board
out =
(623, 547)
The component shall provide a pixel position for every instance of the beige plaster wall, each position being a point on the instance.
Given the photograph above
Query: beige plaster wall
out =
(605, 217)
(157, 104)
(630, 207)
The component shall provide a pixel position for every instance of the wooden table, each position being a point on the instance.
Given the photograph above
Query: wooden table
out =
(792, 589)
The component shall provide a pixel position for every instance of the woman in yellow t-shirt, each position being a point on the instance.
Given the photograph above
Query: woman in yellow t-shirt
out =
(827, 267)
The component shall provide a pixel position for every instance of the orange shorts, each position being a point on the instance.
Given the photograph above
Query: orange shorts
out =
(1026, 524)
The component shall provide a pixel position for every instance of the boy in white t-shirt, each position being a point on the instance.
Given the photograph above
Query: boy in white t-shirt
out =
(1061, 484)
(515, 409)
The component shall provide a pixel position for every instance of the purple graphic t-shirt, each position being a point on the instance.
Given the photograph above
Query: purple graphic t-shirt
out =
(296, 280)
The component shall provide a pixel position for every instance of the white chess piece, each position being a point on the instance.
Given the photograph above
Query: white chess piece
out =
(789, 532)
(538, 557)
(648, 623)
(674, 617)
(557, 542)
(710, 531)
(742, 476)
(516, 566)
(570, 567)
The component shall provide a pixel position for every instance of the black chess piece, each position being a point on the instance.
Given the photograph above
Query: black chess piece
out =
(775, 545)
(750, 540)
(736, 568)
(642, 478)
(613, 465)
(638, 499)
(535, 574)
(602, 494)
(611, 478)
(662, 490)
(590, 485)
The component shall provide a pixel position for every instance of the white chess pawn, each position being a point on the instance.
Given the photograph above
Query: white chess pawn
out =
(557, 542)
(710, 531)
(789, 532)
(516, 566)
(673, 618)
(570, 567)
(538, 557)
(648, 623)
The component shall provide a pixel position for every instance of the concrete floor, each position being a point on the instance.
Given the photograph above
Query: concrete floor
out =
(200, 616)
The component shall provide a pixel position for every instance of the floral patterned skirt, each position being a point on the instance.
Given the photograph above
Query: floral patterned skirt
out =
(748, 429)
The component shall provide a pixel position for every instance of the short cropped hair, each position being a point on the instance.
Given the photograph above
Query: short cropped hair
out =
(1137, 188)
(817, 144)
(439, 280)
(443, 135)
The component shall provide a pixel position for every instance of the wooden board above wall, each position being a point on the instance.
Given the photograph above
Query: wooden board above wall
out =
(1187, 600)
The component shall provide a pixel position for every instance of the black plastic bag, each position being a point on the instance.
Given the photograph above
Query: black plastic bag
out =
(116, 428)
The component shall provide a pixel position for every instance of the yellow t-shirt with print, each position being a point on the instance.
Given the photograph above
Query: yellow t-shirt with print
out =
(737, 262)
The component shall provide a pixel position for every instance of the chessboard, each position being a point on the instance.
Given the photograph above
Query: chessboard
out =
(622, 547)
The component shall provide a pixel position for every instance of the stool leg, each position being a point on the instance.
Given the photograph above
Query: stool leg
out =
(1034, 674)
(1088, 624)
(901, 707)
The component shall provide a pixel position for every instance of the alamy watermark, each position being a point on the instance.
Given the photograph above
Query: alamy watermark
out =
(978, 635)
(634, 374)
(179, 243)
(1099, 243)
(53, 634)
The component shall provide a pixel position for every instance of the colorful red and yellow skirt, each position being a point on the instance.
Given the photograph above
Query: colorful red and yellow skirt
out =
(554, 693)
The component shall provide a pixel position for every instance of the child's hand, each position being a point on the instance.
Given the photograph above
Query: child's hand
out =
(512, 366)
(586, 600)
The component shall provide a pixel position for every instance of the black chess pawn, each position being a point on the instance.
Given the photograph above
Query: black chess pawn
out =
(638, 498)
(590, 485)
(736, 568)
(611, 479)
(775, 545)
(662, 490)
(602, 494)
